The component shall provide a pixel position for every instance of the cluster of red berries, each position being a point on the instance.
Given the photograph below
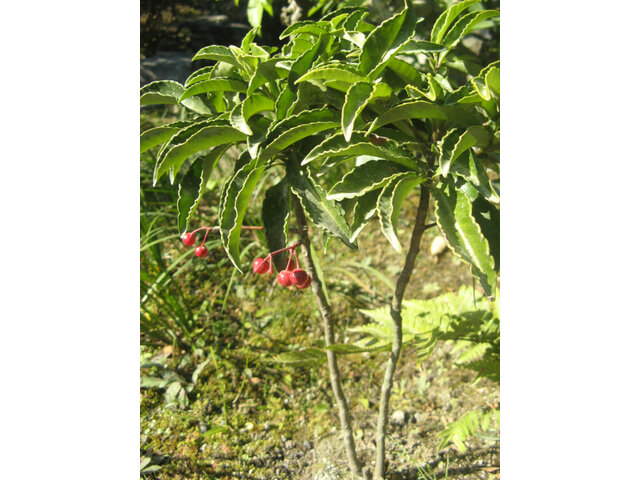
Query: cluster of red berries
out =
(292, 275)
(189, 239)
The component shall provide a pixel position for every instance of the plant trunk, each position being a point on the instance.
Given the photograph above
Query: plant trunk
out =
(329, 337)
(395, 310)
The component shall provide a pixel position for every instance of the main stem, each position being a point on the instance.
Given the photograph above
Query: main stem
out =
(329, 338)
(395, 310)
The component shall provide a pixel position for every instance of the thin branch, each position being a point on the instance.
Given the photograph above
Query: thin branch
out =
(395, 310)
(329, 337)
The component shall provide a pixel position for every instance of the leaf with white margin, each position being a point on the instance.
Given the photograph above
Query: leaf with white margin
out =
(337, 146)
(364, 211)
(214, 85)
(385, 41)
(421, 110)
(250, 106)
(191, 187)
(216, 52)
(455, 142)
(162, 92)
(472, 170)
(202, 139)
(389, 204)
(199, 75)
(158, 135)
(357, 98)
(364, 178)
(324, 213)
(341, 73)
(447, 18)
(463, 234)
(231, 212)
(275, 218)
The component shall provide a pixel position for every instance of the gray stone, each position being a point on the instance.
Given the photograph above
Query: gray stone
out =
(166, 66)
(398, 418)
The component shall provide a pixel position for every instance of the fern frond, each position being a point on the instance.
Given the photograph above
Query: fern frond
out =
(469, 425)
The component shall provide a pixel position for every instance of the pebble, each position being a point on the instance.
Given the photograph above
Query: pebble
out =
(398, 418)
(438, 245)
(306, 444)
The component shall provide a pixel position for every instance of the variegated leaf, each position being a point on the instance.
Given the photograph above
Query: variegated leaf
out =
(463, 234)
(237, 195)
(456, 141)
(390, 202)
(364, 178)
(324, 213)
(357, 98)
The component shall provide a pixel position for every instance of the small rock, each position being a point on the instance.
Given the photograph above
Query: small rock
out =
(283, 439)
(289, 444)
(438, 245)
(398, 418)
(203, 427)
(306, 444)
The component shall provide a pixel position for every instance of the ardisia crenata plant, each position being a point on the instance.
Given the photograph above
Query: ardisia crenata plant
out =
(347, 120)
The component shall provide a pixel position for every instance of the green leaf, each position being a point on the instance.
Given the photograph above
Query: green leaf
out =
(357, 98)
(342, 73)
(447, 18)
(267, 71)
(303, 64)
(191, 187)
(275, 218)
(203, 138)
(488, 218)
(250, 106)
(163, 92)
(421, 46)
(463, 234)
(199, 75)
(296, 127)
(492, 80)
(324, 213)
(237, 195)
(407, 73)
(217, 52)
(249, 37)
(390, 202)
(292, 136)
(156, 136)
(385, 41)
(284, 102)
(470, 168)
(312, 27)
(466, 25)
(254, 12)
(364, 178)
(364, 210)
(455, 142)
(337, 146)
(214, 85)
(420, 109)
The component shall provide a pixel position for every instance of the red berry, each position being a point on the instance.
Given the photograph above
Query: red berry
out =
(305, 284)
(188, 239)
(260, 265)
(299, 276)
(284, 277)
(201, 251)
